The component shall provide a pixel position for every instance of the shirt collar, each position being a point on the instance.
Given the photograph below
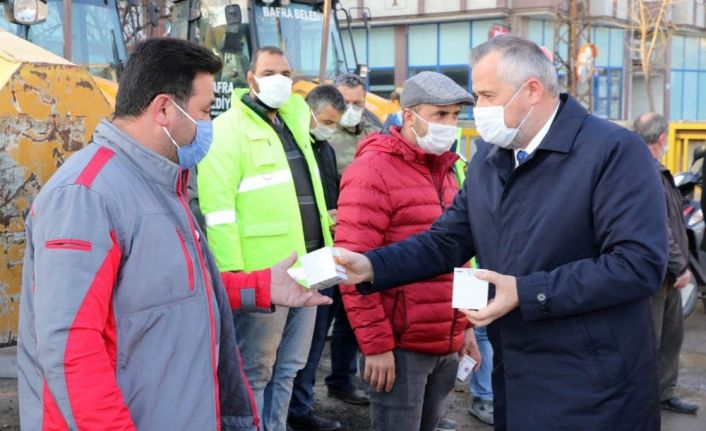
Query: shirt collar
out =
(534, 143)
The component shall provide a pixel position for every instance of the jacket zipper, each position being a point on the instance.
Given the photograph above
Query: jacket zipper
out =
(189, 262)
(68, 244)
(181, 191)
(436, 189)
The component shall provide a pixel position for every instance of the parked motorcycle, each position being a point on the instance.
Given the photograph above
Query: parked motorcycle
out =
(687, 182)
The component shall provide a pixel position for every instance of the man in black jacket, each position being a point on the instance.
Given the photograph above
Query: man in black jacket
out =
(667, 307)
(327, 106)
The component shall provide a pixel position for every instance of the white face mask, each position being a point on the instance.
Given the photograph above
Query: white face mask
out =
(274, 90)
(321, 132)
(352, 116)
(490, 123)
(439, 137)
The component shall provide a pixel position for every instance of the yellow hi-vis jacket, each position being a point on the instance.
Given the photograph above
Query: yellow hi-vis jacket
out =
(246, 190)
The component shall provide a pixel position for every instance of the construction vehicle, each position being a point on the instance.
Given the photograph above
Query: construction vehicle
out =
(234, 29)
(39, 128)
(85, 32)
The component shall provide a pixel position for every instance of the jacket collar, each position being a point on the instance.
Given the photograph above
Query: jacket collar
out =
(156, 168)
(560, 137)
(392, 142)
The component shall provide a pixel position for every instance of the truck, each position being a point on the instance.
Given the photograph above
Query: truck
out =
(234, 29)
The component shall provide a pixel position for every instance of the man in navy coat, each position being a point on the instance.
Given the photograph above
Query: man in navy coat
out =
(568, 220)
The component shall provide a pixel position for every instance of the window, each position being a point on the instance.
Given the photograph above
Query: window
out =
(380, 60)
(445, 48)
(608, 76)
(688, 78)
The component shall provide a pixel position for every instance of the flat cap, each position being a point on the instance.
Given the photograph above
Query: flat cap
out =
(435, 89)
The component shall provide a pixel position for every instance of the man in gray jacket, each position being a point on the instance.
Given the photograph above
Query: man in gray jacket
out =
(125, 321)
(666, 303)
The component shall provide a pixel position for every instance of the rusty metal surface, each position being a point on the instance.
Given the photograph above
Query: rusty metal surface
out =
(47, 111)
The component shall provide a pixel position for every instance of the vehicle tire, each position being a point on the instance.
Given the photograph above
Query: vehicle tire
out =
(689, 296)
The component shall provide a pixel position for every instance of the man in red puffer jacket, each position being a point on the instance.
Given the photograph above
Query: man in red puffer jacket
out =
(400, 181)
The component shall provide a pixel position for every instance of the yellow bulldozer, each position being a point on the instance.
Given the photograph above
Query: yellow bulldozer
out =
(48, 108)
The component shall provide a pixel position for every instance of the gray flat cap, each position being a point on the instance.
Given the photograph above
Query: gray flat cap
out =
(433, 88)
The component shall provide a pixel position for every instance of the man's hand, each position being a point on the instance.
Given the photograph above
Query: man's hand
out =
(284, 290)
(506, 299)
(380, 371)
(470, 348)
(683, 280)
(358, 267)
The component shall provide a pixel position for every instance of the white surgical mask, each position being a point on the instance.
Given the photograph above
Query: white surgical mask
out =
(490, 123)
(274, 90)
(352, 116)
(439, 137)
(321, 132)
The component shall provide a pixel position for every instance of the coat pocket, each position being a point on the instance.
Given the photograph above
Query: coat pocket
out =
(68, 244)
(261, 152)
(604, 355)
(266, 229)
(399, 314)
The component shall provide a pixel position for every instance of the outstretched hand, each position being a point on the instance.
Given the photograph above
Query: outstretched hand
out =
(358, 267)
(285, 291)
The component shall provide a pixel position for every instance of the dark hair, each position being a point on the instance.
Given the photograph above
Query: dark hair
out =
(650, 127)
(324, 95)
(395, 96)
(350, 80)
(161, 66)
(268, 49)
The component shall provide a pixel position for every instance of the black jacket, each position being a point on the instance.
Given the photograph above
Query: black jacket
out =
(588, 249)
(678, 261)
(326, 159)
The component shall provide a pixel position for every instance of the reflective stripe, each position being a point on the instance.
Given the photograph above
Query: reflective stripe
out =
(266, 180)
(220, 217)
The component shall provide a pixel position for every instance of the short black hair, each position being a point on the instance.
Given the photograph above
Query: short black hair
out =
(324, 95)
(350, 80)
(268, 49)
(161, 66)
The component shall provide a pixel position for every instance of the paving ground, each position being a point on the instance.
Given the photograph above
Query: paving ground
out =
(692, 386)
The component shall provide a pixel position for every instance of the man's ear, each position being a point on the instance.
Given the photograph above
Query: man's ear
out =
(158, 109)
(251, 80)
(536, 90)
(407, 117)
(663, 139)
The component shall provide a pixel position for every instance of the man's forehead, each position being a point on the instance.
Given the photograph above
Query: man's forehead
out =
(273, 62)
(484, 74)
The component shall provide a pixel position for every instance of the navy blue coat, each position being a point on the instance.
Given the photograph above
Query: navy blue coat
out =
(582, 225)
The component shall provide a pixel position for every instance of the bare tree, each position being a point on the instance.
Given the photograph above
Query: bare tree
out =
(649, 26)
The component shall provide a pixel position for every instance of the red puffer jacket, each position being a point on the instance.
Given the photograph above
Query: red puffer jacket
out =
(391, 191)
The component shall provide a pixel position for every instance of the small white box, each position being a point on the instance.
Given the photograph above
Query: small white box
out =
(321, 269)
(468, 291)
(465, 367)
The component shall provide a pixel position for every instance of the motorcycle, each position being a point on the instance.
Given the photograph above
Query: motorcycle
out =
(687, 182)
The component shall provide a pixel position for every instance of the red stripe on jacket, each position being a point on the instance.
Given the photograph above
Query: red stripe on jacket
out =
(89, 358)
(235, 282)
(90, 172)
(52, 419)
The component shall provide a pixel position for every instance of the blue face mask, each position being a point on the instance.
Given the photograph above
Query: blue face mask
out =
(190, 155)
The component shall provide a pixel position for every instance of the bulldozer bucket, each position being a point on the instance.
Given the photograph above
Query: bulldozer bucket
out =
(49, 109)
